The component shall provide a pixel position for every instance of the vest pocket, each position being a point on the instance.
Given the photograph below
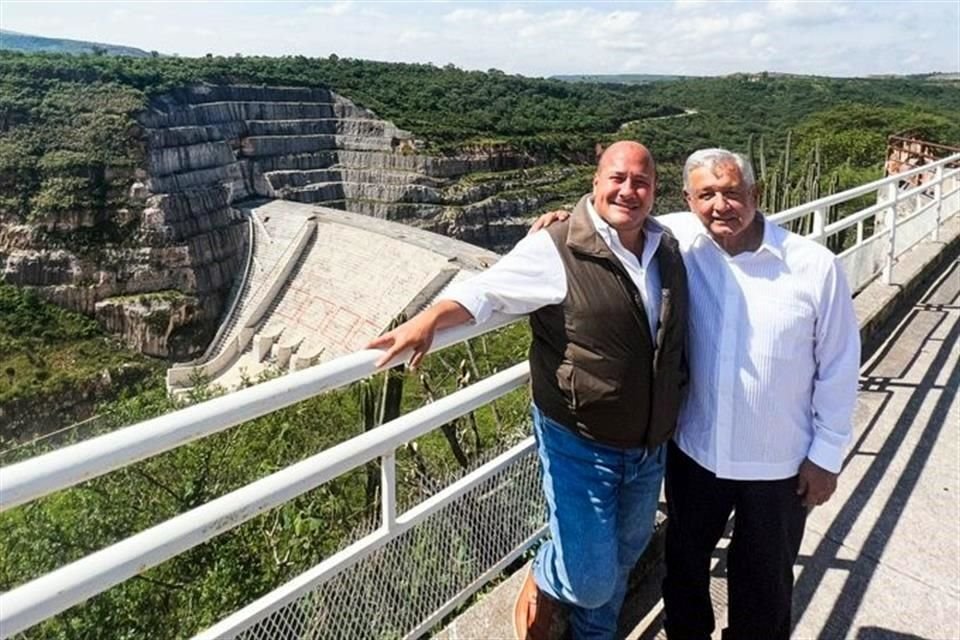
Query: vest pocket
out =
(587, 389)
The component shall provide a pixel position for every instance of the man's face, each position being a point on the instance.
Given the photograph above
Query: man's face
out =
(725, 206)
(624, 187)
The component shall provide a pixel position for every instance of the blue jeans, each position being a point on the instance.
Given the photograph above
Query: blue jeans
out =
(602, 504)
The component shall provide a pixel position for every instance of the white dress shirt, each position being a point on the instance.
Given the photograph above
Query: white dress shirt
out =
(532, 275)
(774, 351)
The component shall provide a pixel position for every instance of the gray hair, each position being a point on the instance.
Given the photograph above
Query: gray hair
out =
(711, 158)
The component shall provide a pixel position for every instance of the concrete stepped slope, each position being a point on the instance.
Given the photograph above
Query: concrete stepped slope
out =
(314, 146)
(319, 296)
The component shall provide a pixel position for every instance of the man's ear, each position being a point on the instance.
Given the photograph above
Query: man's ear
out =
(598, 150)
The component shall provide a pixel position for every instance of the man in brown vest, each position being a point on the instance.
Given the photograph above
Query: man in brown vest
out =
(607, 296)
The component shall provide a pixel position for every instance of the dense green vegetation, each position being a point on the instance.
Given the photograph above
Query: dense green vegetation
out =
(50, 356)
(619, 78)
(65, 121)
(192, 591)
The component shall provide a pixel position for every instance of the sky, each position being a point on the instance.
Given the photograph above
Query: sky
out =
(682, 37)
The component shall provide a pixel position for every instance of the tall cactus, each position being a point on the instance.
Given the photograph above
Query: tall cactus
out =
(378, 407)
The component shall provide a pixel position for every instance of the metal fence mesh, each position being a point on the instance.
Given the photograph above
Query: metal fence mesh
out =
(391, 592)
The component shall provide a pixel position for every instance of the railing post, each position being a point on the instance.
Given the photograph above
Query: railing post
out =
(388, 490)
(819, 223)
(938, 198)
(892, 228)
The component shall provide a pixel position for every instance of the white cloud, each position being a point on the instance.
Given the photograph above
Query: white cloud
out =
(799, 12)
(463, 16)
(748, 21)
(559, 24)
(531, 38)
(618, 22)
(413, 35)
(623, 45)
(759, 40)
(690, 5)
(335, 8)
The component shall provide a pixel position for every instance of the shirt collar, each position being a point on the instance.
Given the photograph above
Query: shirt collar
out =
(652, 231)
(772, 241)
(773, 235)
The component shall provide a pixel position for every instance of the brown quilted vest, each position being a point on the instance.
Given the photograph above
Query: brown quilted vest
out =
(593, 366)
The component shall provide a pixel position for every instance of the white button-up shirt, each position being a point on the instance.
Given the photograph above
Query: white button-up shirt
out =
(532, 275)
(774, 352)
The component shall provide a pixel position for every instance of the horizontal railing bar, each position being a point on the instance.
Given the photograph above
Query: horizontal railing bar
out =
(910, 218)
(855, 218)
(445, 496)
(53, 592)
(916, 214)
(320, 573)
(880, 235)
(83, 461)
(926, 186)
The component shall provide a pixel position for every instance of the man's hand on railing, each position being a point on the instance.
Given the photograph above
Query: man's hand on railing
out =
(417, 332)
(548, 219)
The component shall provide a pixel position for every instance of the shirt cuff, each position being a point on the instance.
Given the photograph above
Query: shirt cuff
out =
(826, 455)
(477, 305)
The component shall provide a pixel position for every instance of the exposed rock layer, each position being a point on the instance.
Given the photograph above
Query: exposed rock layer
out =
(207, 148)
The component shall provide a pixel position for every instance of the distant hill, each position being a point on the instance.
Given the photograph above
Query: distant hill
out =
(13, 41)
(619, 78)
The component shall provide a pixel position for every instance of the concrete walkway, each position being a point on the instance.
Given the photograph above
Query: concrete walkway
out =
(882, 558)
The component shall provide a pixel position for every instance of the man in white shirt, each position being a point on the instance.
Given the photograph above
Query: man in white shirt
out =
(606, 293)
(774, 359)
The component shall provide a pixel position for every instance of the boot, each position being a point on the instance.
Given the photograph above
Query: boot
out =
(537, 616)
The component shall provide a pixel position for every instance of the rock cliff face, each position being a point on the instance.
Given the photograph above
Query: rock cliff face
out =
(315, 147)
(205, 150)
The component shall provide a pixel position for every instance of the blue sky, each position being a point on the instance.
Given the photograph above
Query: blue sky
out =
(533, 38)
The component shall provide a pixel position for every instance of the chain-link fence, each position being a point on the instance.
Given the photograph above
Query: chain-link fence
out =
(410, 583)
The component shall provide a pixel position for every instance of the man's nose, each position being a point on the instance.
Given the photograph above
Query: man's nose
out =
(719, 202)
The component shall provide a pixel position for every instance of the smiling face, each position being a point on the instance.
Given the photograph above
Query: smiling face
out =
(725, 205)
(624, 186)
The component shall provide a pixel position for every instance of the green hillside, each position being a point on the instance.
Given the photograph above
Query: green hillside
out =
(618, 78)
(13, 41)
(65, 120)
(56, 365)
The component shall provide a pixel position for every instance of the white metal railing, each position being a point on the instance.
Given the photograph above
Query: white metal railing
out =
(869, 256)
(47, 595)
